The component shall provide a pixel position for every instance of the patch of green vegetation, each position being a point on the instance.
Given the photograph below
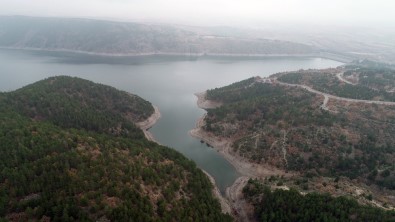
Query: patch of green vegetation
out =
(290, 205)
(292, 78)
(52, 169)
(230, 93)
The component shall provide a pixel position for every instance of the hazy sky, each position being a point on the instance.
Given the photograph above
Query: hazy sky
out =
(214, 12)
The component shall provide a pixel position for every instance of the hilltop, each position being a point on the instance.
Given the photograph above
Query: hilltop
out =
(71, 151)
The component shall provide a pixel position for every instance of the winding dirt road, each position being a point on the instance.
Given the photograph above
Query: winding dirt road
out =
(239, 208)
(329, 96)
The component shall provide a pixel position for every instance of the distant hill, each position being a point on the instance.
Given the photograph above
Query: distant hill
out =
(70, 151)
(121, 38)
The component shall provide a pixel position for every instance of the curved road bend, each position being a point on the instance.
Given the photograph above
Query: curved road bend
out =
(329, 96)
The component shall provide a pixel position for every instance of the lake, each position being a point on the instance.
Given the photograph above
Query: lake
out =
(168, 82)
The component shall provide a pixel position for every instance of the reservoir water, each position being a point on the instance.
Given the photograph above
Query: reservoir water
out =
(168, 82)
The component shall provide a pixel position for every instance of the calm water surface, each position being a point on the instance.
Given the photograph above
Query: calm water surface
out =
(167, 82)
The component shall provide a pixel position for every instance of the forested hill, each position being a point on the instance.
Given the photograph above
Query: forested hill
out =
(77, 103)
(69, 151)
(106, 37)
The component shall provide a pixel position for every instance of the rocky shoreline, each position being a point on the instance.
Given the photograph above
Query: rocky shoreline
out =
(148, 123)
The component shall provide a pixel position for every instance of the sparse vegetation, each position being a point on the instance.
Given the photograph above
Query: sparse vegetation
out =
(379, 78)
(285, 127)
(372, 84)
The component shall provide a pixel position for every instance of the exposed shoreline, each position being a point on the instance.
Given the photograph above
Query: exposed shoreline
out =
(206, 104)
(148, 123)
(247, 170)
(224, 145)
(234, 195)
(336, 57)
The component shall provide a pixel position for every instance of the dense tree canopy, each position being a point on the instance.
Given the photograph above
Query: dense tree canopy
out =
(61, 169)
(290, 205)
